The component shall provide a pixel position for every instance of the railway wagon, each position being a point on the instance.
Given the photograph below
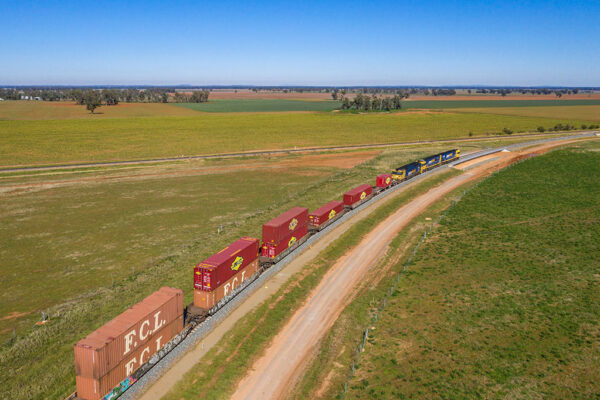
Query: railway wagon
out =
(283, 225)
(325, 215)
(115, 350)
(407, 171)
(219, 275)
(216, 281)
(355, 197)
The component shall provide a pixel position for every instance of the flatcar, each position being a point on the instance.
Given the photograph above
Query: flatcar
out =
(217, 280)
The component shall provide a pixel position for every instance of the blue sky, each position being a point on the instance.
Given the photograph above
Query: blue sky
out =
(303, 42)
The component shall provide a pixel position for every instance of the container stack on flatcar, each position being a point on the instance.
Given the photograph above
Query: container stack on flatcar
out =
(106, 361)
(324, 216)
(110, 354)
(219, 275)
(355, 197)
(284, 233)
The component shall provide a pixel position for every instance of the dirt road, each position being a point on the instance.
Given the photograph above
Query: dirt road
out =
(275, 373)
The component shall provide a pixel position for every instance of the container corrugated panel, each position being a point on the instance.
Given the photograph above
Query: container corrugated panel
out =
(94, 388)
(357, 194)
(383, 180)
(208, 299)
(325, 213)
(220, 267)
(272, 250)
(282, 226)
(106, 347)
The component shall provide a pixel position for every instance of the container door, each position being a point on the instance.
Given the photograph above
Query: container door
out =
(206, 279)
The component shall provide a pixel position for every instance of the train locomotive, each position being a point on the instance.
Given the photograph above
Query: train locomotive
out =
(110, 359)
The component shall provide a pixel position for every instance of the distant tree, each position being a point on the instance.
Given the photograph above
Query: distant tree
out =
(386, 104)
(334, 94)
(366, 103)
(164, 97)
(376, 103)
(359, 101)
(346, 103)
(541, 129)
(92, 100)
(111, 97)
(199, 96)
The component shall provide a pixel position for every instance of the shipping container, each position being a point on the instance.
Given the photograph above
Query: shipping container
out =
(94, 388)
(282, 226)
(407, 171)
(383, 180)
(272, 250)
(209, 299)
(325, 213)
(105, 348)
(220, 267)
(356, 195)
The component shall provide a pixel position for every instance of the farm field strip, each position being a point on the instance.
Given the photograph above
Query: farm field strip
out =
(586, 112)
(81, 142)
(262, 105)
(277, 152)
(446, 104)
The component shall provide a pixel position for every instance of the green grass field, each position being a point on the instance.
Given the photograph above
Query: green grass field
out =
(77, 140)
(586, 113)
(61, 248)
(502, 301)
(262, 105)
(444, 104)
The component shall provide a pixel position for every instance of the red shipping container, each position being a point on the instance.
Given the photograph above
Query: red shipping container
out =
(357, 194)
(384, 180)
(218, 268)
(106, 347)
(272, 250)
(208, 299)
(95, 388)
(282, 226)
(325, 213)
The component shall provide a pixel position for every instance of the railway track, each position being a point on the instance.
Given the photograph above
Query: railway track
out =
(199, 327)
(264, 153)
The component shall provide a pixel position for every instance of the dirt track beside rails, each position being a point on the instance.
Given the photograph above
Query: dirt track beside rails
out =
(274, 374)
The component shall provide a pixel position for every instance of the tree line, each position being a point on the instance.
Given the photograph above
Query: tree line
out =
(363, 102)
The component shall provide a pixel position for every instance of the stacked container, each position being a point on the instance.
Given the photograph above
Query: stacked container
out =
(284, 231)
(383, 180)
(357, 196)
(327, 213)
(116, 350)
(216, 277)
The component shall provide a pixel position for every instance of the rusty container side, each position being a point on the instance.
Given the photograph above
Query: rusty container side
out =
(226, 263)
(272, 250)
(383, 180)
(357, 194)
(282, 226)
(208, 299)
(106, 347)
(94, 388)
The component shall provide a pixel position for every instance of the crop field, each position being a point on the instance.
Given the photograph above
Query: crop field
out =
(45, 142)
(262, 105)
(502, 300)
(446, 104)
(44, 110)
(587, 113)
(82, 246)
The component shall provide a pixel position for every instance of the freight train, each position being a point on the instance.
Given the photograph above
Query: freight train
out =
(111, 358)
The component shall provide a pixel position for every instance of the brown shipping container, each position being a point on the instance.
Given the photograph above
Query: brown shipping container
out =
(208, 299)
(94, 388)
(220, 267)
(287, 223)
(325, 213)
(357, 194)
(272, 250)
(106, 347)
